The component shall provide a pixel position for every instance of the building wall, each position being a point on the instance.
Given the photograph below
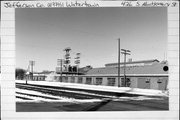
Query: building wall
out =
(154, 84)
(144, 82)
(133, 82)
(84, 80)
(104, 81)
(36, 78)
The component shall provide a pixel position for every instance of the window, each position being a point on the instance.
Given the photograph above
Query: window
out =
(65, 79)
(88, 80)
(159, 81)
(60, 78)
(147, 80)
(72, 79)
(99, 81)
(80, 79)
(55, 77)
(122, 82)
(111, 81)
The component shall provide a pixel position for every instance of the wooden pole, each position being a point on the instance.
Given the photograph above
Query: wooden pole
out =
(119, 62)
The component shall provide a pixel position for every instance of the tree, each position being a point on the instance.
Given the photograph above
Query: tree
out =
(20, 73)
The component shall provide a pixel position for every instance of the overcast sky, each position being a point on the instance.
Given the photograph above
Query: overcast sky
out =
(42, 34)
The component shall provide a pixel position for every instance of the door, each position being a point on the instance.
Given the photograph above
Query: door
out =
(144, 83)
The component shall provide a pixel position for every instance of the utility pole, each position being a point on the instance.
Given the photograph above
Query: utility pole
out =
(61, 67)
(119, 62)
(60, 63)
(27, 74)
(125, 52)
(32, 63)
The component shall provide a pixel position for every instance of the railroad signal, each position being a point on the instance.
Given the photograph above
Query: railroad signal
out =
(67, 57)
(70, 69)
(77, 61)
(74, 68)
(66, 61)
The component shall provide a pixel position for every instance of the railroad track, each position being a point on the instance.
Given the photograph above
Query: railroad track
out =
(62, 92)
(105, 97)
(104, 93)
(55, 91)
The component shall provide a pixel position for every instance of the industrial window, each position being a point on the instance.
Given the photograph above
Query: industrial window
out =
(88, 80)
(66, 79)
(72, 79)
(147, 80)
(80, 79)
(159, 81)
(60, 78)
(99, 81)
(111, 81)
(56, 77)
(122, 82)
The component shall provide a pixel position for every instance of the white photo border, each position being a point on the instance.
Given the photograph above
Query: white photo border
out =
(8, 104)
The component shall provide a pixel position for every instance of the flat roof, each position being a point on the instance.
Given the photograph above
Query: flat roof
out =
(134, 62)
(147, 69)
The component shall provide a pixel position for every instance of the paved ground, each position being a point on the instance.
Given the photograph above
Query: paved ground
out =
(132, 105)
(47, 106)
(145, 105)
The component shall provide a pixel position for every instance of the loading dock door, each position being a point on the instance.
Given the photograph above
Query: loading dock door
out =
(144, 83)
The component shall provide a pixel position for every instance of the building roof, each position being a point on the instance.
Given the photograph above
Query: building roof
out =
(134, 62)
(147, 69)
